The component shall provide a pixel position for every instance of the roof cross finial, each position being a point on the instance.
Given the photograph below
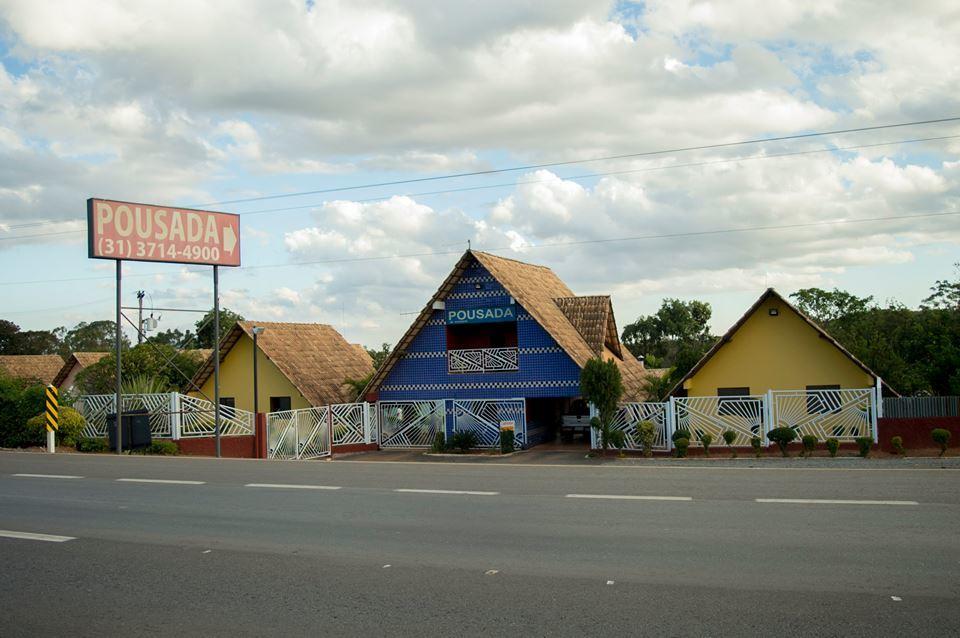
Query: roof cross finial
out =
(468, 244)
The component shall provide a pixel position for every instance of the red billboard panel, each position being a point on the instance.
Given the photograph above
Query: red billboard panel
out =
(147, 232)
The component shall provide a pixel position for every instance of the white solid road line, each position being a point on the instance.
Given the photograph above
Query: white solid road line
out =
(286, 486)
(170, 481)
(825, 501)
(630, 497)
(471, 492)
(50, 538)
(56, 476)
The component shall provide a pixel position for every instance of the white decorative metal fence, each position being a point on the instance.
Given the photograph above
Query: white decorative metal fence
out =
(920, 407)
(299, 434)
(410, 423)
(743, 415)
(485, 416)
(840, 414)
(631, 414)
(172, 415)
(350, 423)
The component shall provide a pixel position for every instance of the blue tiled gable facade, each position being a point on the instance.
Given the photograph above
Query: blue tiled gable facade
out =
(543, 368)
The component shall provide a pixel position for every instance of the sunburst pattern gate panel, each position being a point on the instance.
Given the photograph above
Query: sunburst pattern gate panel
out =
(631, 414)
(485, 416)
(410, 423)
(744, 415)
(842, 414)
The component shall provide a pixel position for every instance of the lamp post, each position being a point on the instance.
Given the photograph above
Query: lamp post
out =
(256, 332)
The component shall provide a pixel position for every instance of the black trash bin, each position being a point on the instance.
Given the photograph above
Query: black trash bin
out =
(135, 426)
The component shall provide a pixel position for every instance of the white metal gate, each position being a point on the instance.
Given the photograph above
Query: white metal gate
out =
(410, 423)
(630, 414)
(744, 415)
(484, 417)
(842, 414)
(299, 434)
(350, 423)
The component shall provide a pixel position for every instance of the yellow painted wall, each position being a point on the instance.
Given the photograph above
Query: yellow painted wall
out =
(236, 379)
(776, 353)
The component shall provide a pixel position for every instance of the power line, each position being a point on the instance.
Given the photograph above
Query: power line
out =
(606, 158)
(860, 220)
(574, 178)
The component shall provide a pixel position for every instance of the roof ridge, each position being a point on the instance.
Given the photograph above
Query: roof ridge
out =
(516, 261)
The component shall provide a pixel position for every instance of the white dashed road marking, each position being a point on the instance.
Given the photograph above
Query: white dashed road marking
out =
(30, 536)
(56, 476)
(164, 481)
(896, 599)
(825, 501)
(291, 486)
(471, 492)
(630, 497)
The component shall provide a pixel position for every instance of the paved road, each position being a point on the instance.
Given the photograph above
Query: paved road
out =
(513, 550)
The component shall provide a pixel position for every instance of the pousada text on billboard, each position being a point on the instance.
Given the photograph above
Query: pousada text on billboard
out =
(147, 232)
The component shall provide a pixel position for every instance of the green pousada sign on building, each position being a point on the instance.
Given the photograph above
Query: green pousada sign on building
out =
(490, 314)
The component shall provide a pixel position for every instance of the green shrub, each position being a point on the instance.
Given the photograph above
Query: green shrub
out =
(617, 439)
(757, 444)
(681, 445)
(464, 440)
(506, 441)
(70, 427)
(680, 434)
(809, 442)
(729, 436)
(161, 447)
(864, 443)
(942, 438)
(646, 433)
(439, 443)
(832, 446)
(92, 445)
(782, 437)
(705, 440)
(897, 444)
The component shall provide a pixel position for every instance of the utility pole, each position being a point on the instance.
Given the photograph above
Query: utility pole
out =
(140, 295)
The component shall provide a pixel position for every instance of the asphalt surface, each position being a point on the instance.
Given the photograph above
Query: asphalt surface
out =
(511, 553)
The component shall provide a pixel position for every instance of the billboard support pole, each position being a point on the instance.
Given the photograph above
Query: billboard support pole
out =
(119, 339)
(216, 356)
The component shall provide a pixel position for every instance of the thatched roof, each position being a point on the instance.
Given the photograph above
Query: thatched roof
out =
(314, 357)
(770, 293)
(584, 327)
(42, 368)
(81, 359)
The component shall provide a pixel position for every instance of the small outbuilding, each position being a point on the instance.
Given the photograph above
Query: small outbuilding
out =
(33, 368)
(299, 365)
(775, 346)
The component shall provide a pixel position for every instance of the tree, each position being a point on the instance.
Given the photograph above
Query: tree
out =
(169, 368)
(173, 337)
(602, 385)
(37, 342)
(946, 294)
(96, 336)
(204, 333)
(8, 333)
(379, 356)
(825, 306)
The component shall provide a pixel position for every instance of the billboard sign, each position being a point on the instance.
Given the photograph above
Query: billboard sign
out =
(147, 232)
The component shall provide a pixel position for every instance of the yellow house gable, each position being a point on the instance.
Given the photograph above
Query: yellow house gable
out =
(236, 379)
(775, 348)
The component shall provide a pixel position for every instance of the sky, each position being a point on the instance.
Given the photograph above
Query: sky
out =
(201, 102)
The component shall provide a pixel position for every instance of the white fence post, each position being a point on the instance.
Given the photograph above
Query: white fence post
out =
(175, 416)
(879, 389)
(875, 409)
(767, 417)
(366, 423)
(671, 422)
(594, 443)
